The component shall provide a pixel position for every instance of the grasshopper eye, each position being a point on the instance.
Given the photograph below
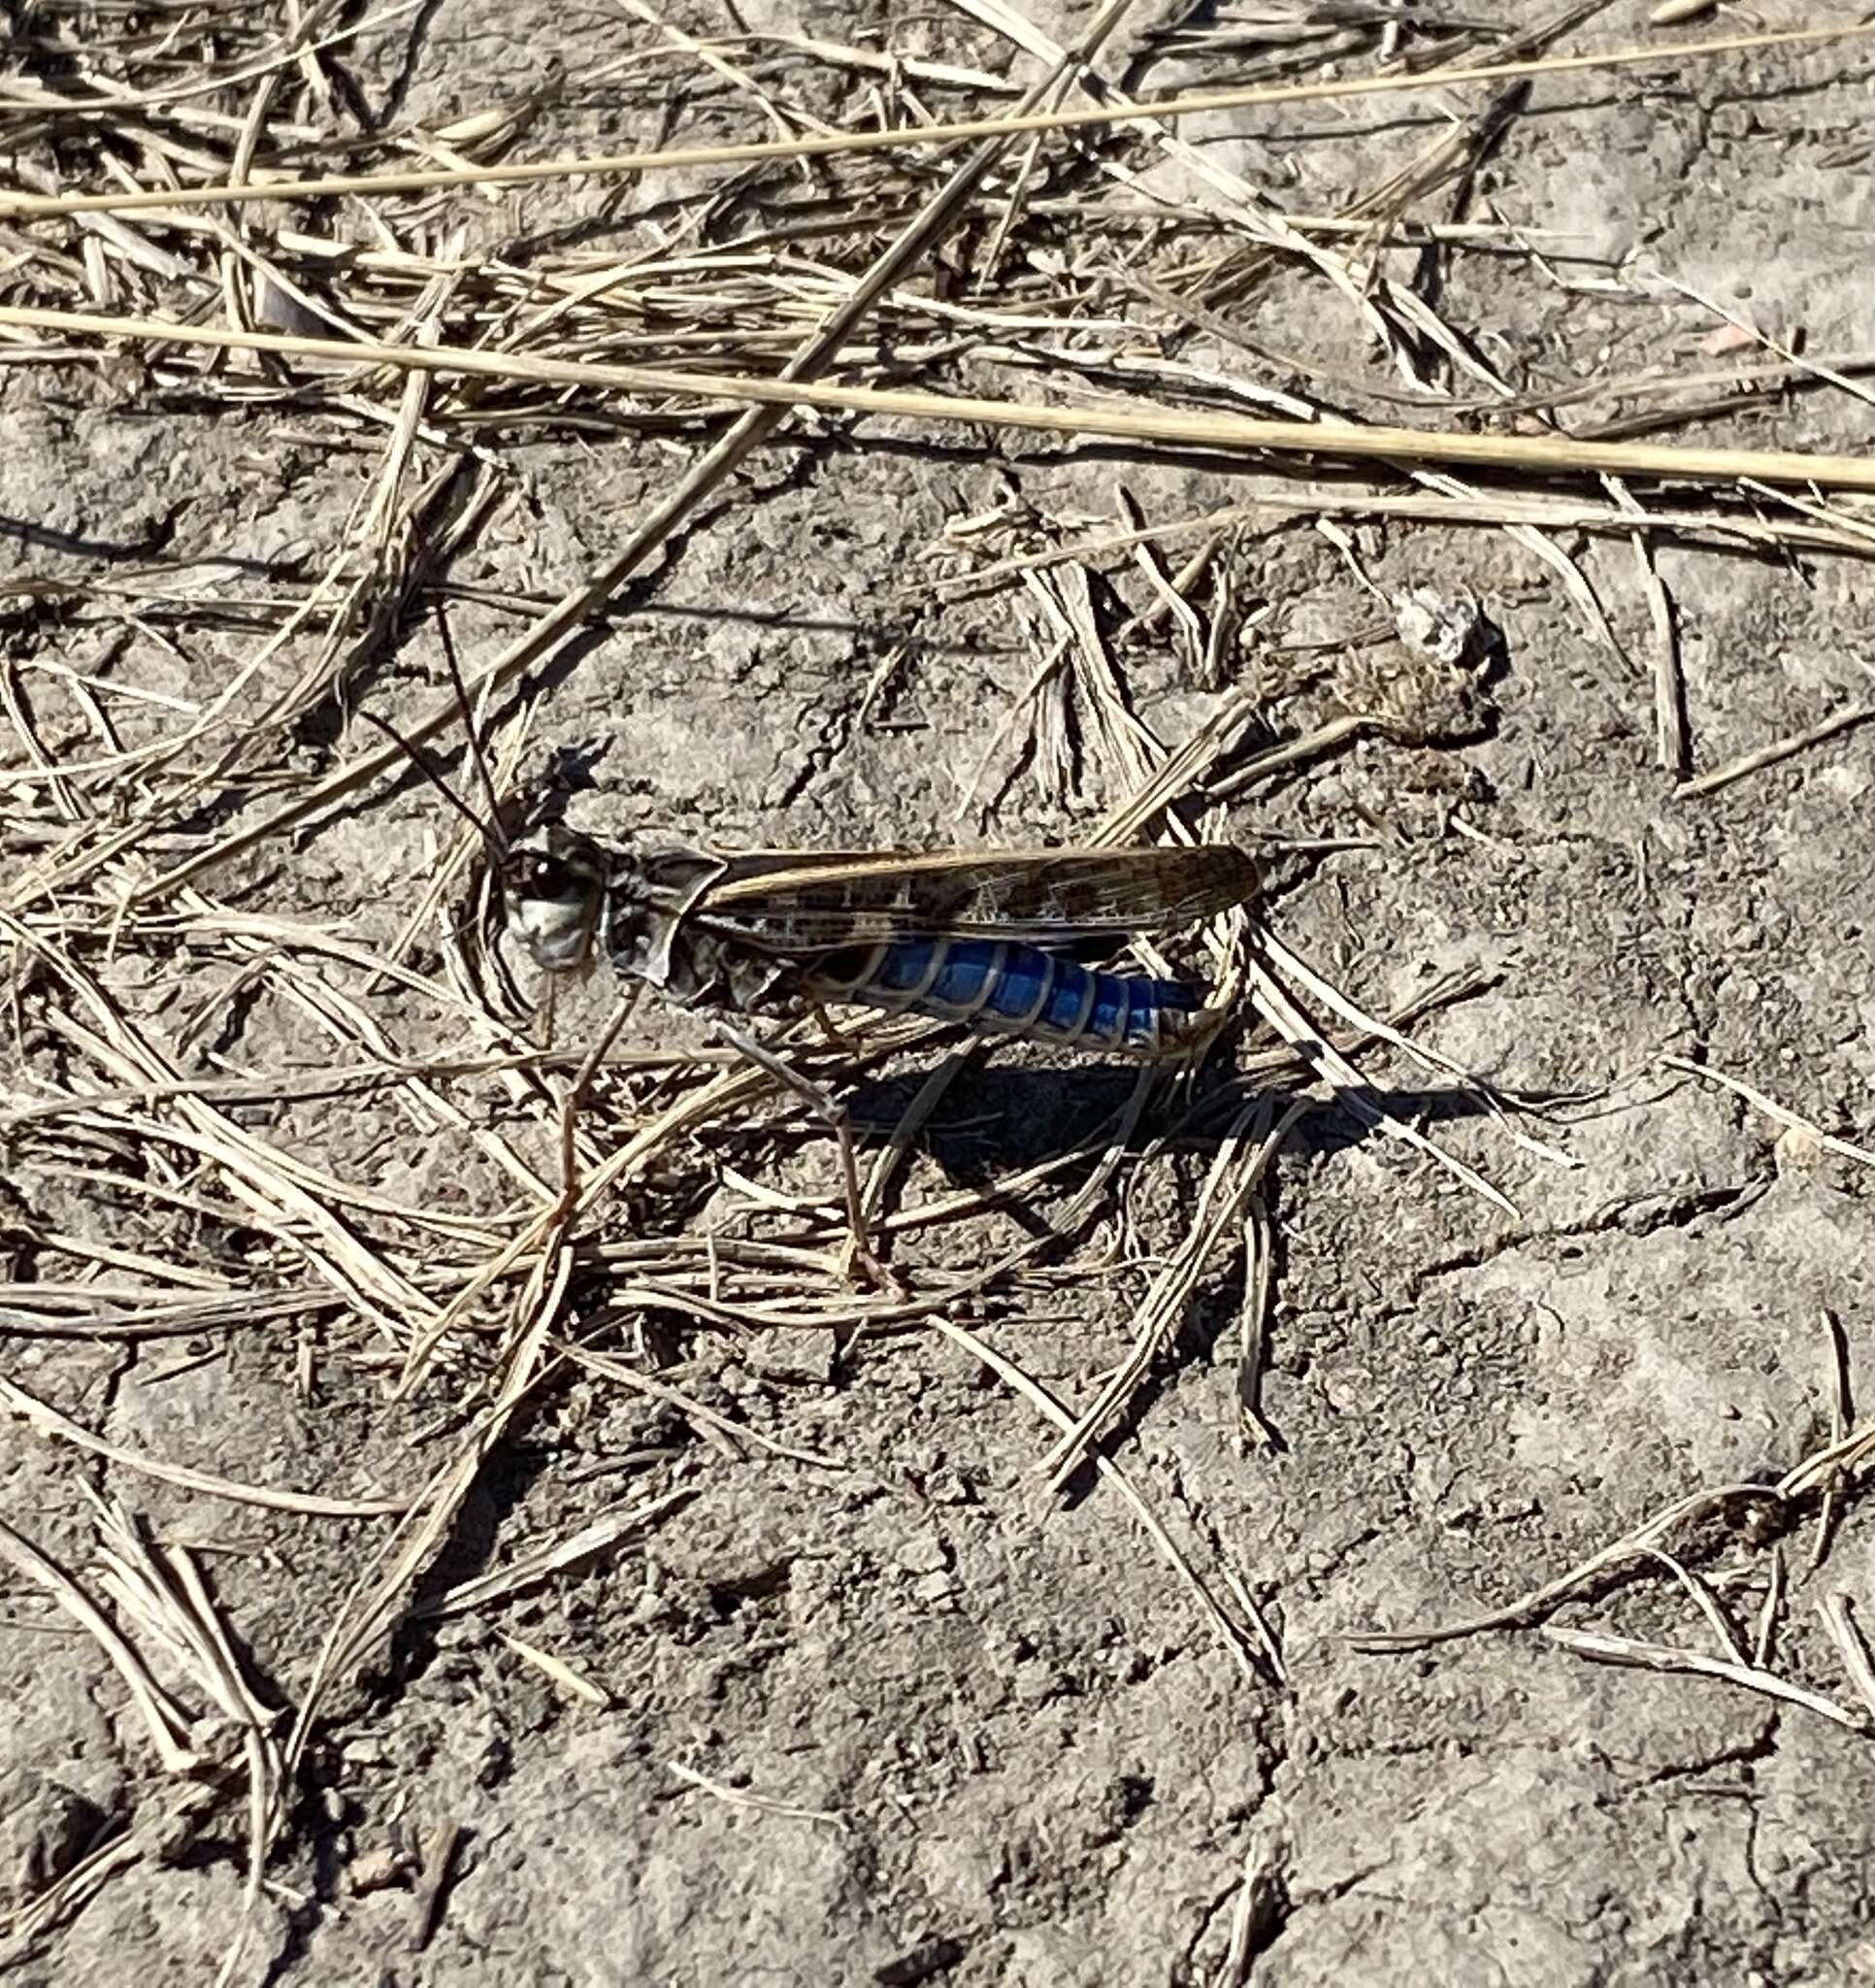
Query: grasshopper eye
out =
(550, 881)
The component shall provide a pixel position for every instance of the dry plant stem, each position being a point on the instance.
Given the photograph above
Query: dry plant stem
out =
(254, 1173)
(847, 1312)
(577, 1091)
(1672, 749)
(1702, 1599)
(164, 1721)
(50, 1422)
(116, 103)
(1842, 1416)
(1226, 435)
(1244, 1154)
(1817, 1473)
(1841, 1148)
(1320, 988)
(373, 1607)
(1653, 1656)
(1272, 1001)
(1267, 1639)
(1324, 738)
(24, 206)
(89, 1311)
(151, 1836)
(1770, 1612)
(1262, 1899)
(1639, 1544)
(1862, 524)
(1246, 209)
(1818, 368)
(529, 1570)
(1845, 1632)
(1768, 755)
(340, 1082)
(912, 1121)
(161, 1591)
(760, 1805)
(1253, 1322)
(1836, 1461)
(729, 1437)
(555, 1671)
(1551, 514)
(1038, 1397)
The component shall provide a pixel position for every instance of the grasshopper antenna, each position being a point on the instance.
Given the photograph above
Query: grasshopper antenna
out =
(488, 831)
(457, 682)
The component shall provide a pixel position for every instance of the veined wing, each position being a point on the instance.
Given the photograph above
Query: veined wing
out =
(817, 903)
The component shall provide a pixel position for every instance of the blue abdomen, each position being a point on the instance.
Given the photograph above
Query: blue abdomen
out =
(1016, 989)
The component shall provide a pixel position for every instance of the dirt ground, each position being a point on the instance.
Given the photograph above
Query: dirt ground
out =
(407, 1583)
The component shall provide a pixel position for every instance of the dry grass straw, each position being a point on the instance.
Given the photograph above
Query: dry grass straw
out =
(1647, 1656)
(1672, 747)
(1779, 749)
(1555, 515)
(205, 1725)
(1223, 435)
(970, 131)
(1252, 1645)
(1810, 1486)
(556, 1670)
(530, 1570)
(50, 1422)
(1244, 1156)
(759, 1804)
(1808, 1133)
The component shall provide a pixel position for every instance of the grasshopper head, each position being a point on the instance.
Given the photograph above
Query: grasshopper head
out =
(554, 883)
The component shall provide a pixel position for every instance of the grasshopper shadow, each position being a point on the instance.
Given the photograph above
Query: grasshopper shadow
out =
(999, 1121)
(996, 1124)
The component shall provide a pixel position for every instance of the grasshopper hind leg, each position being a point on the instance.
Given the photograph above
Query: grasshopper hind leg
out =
(858, 1253)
